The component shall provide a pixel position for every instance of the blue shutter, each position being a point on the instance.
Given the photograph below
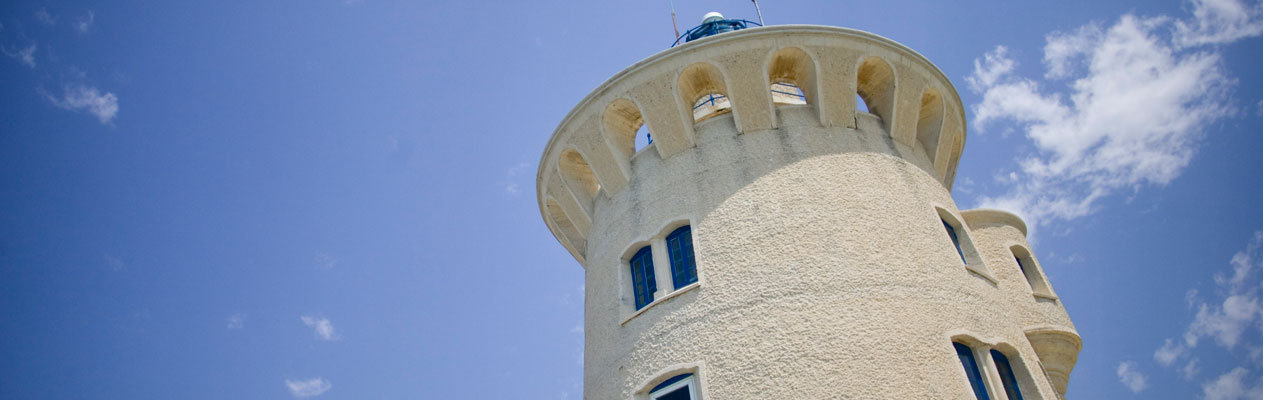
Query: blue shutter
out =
(966, 356)
(643, 285)
(683, 264)
(955, 241)
(1006, 375)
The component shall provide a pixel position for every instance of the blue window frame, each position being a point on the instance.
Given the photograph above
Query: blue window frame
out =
(683, 265)
(643, 282)
(1006, 375)
(679, 387)
(966, 356)
(955, 240)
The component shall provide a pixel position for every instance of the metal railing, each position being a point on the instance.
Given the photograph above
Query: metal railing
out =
(714, 28)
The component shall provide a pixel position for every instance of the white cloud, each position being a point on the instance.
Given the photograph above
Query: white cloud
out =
(325, 261)
(1229, 386)
(322, 326)
(27, 55)
(84, 24)
(1190, 369)
(1168, 353)
(115, 263)
(1132, 114)
(89, 99)
(1234, 309)
(511, 188)
(236, 321)
(308, 388)
(1129, 377)
(44, 17)
(1241, 307)
(1219, 22)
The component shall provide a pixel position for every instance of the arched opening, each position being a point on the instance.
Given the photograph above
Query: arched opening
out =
(875, 84)
(793, 76)
(578, 176)
(569, 233)
(930, 122)
(703, 86)
(643, 137)
(623, 128)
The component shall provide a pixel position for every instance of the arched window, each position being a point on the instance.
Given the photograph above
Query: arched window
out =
(966, 355)
(643, 282)
(1030, 271)
(1007, 379)
(683, 266)
(679, 387)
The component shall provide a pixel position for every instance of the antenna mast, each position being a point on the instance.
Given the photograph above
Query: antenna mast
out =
(756, 9)
(673, 25)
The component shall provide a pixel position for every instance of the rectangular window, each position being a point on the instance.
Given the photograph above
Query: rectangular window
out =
(643, 282)
(1006, 375)
(955, 240)
(966, 356)
(683, 264)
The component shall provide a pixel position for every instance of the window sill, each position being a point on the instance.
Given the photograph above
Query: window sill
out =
(1045, 296)
(980, 271)
(655, 302)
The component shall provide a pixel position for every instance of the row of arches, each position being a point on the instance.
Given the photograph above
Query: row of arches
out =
(702, 90)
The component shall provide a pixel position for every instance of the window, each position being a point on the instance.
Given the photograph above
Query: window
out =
(1030, 271)
(683, 266)
(966, 356)
(1007, 379)
(951, 231)
(679, 387)
(643, 282)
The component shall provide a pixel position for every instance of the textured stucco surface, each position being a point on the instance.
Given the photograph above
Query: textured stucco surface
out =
(824, 270)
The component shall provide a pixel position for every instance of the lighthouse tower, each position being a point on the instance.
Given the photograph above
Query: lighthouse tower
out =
(790, 233)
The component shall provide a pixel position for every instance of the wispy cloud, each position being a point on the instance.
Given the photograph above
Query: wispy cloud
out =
(322, 327)
(236, 321)
(308, 388)
(24, 55)
(1219, 22)
(44, 17)
(1230, 317)
(1130, 377)
(114, 263)
(88, 99)
(325, 261)
(84, 24)
(510, 187)
(1229, 386)
(1137, 99)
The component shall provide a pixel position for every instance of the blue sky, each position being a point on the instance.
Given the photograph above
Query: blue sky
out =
(334, 199)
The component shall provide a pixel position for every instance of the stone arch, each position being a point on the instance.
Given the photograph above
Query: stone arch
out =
(619, 123)
(793, 66)
(577, 174)
(875, 84)
(703, 90)
(569, 232)
(930, 122)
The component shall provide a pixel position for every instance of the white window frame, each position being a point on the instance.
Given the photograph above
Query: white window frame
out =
(655, 395)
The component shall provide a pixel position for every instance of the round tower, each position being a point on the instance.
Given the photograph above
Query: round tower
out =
(790, 233)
